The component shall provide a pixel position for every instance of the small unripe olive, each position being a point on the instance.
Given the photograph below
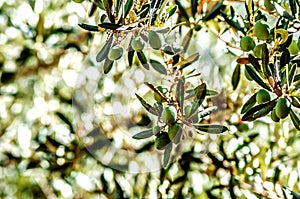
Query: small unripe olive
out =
(169, 115)
(115, 52)
(293, 48)
(157, 97)
(155, 130)
(262, 96)
(258, 51)
(274, 117)
(282, 108)
(247, 43)
(137, 44)
(269, 6)
(173, 130)
(155, 40)
(161, 141)
(197, 27)
(261, 30)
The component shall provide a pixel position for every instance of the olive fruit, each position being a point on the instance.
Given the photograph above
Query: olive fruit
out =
(137, 44)
(274, 117)
(155, 40)
(261, 30)
(293, 48)
(173, 130)
(282, 108)
(269, 6)
(247, 44)
(169, 115)
(115, 52)
(155, 130)
(262, 96)
(258, 51)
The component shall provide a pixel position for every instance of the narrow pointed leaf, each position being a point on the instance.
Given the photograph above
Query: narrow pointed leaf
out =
(285, 58)
(265, 58)
(65, 120)
(144, 134)
(143, 59)
(207, 111)
(256, 78)
(182, 10)
(108, 65)
(105, 50)
(211, 128)
(259, 111)
(236, 76)
(164, 99)
(109, 26)
(172, 10)
(186, 40)
(188, 61)
(167, 155)
(292, 73)
(180, 93)
(210, 92)
(127, 7)
(108, 6)
(295, 119)
(156, 65)
(88, 27)
(200, 93)
(249, 104)
(162, 141)
(194, 5)
(215, 10)
(147, 106)
(254, 63)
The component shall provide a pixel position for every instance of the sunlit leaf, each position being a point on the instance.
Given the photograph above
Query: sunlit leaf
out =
(171, 10)
(259, 111)
(249, 104)
(158, 66)
(147, 106)
(210, 92)
(283, 33)
(144, 134)
(236, 76)
(188, 61)
(105, 50)
(211, 128)
(127, 7)
(162, 96)
(256, 78)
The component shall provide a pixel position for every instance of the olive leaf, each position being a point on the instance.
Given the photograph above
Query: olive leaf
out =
(236, 76)
(109, 26)
(186, 40)
(143, 59)
(284, 58)
(259, 111)
(144, 134)
(89, 27)
(108, 65)
(108, 8)
(200, 93)
(249, 104)
(162, 96)
(254, 63)
(167, 155)
(156, 65)
(210, 128)
(188, 61)
(127, 7)
(65, 120)
(207, 111)
(180, 93)
(182, 10)
(162, 140)
(214, 11)
(105, 50)
(265, 58)
(147, 106)
(256, 78)
(295, 119)
(210, 92)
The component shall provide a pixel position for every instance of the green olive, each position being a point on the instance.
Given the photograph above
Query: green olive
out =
(169, 115)
(163, 91)
(161, 141)
(293, 48)
(137, 44)
(262, 96)
(155, 40)
(115, 53)
(261, 30)
(274, 117)
(269, 6)
(258, 51)
(173, 130)
(282, 108)
(247, 44)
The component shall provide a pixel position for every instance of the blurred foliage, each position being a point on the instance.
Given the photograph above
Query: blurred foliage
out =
(65, 100)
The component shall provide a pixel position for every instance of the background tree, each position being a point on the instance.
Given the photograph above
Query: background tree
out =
(115, 111)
